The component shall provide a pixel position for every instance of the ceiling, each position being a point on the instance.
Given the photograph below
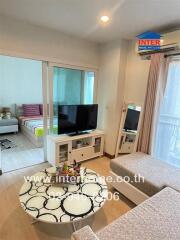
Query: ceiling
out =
(80, 18)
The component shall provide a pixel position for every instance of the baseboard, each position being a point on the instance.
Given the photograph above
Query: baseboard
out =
(109, 155)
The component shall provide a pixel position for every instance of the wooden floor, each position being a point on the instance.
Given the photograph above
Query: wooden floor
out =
(15, 224)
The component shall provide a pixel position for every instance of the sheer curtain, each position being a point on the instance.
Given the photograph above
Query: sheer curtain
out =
(167, 144)
(154, 95)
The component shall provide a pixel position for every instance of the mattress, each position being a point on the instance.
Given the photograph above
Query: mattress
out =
(35, 125)
(157, 174)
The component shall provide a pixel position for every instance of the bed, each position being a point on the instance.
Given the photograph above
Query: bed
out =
(33, 127)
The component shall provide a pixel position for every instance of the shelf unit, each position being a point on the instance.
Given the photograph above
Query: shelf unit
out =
(127, 140)
(61, 148)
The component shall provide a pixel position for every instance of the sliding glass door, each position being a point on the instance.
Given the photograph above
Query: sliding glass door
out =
(167, 147)
(69, 86)
(73, 86)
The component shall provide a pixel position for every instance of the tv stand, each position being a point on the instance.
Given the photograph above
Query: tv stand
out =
(77, 134)
(62, 148)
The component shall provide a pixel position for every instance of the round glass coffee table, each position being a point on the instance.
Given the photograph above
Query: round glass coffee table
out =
(50, 203)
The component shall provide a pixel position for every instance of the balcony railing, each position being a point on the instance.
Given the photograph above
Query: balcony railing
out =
(168, 139)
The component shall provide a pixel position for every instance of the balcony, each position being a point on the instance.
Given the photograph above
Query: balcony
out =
(167, 145)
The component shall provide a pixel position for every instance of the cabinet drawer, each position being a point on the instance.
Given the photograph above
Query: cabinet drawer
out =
(88, 153)
(76, 155)
(82, 154)
(127, 148)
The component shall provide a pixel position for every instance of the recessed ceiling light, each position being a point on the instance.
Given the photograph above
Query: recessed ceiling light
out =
(104, 18)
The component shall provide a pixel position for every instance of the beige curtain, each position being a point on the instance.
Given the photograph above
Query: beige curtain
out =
(154, 95)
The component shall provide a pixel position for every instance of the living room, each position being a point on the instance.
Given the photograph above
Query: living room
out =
(109, 120)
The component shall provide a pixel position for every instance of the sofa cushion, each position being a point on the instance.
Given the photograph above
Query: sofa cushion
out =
(84, 233)
(157, 174)
(157, 218)
(8, 122)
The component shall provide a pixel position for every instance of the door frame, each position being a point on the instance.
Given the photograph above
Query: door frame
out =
(43, 92)
(47, 66)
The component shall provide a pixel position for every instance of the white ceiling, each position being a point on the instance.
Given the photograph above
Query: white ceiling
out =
(81, 17)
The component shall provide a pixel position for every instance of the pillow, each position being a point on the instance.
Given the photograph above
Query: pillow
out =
(31, 110)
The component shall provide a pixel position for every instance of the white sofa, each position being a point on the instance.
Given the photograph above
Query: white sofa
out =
(157, 218)
(157, 175)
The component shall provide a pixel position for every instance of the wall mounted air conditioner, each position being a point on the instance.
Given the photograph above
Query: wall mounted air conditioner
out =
(170, 42)
(164, 48)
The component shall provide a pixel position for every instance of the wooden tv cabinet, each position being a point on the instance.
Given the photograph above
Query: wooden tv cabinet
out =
(61, 148)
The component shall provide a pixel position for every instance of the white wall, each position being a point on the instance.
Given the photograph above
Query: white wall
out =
(27, 39)
(171, 37)
(111, 90)
(20, 81)
(137, 71)
(123, 77)
(19, 37)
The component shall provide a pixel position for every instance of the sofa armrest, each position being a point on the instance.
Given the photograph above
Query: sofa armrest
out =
(84, 233)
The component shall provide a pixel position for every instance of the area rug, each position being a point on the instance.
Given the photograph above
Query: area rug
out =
(6, 144)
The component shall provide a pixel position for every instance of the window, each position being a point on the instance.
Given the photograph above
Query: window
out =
(88, 87)
(73, 86)
(167, 146)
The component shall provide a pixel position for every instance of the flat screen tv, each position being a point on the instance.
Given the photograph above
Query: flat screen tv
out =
(77, 118)
(132, 119)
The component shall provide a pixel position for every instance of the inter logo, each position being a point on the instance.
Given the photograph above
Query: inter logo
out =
(149, 41)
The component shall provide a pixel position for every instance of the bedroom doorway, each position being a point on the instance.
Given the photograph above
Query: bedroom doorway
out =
(21, 113)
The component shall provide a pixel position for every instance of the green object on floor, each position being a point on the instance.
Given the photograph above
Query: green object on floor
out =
(39, 132)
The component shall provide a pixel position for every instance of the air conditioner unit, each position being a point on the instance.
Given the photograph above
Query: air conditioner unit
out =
(164, 48)
(170, 42)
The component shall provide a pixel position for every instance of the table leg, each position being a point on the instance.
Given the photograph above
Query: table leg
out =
(74, 226)
(34, 221)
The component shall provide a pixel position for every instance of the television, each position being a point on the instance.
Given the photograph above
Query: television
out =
(132, 119)
(76, 119)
